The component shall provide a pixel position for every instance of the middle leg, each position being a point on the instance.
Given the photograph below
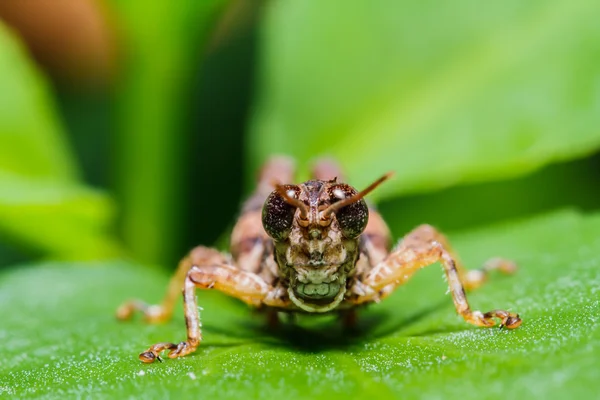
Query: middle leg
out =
(419, 249)
(471, 279)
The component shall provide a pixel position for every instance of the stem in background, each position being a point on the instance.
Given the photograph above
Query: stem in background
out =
(164, 41)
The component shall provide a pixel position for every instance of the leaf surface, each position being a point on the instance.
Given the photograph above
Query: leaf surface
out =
(60, 337)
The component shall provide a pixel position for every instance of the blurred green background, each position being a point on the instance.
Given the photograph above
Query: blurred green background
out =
(135, 129)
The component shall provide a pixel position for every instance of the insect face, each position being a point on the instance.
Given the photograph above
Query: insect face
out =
(315, 228)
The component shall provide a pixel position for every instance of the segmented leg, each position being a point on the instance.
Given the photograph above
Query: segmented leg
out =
(471, 279)
(425, 246)
(157, 313)
(243, 285)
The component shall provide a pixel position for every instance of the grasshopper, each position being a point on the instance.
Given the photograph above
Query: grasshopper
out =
(315, 247)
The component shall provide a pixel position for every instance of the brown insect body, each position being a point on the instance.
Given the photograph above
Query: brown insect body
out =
(314, 247)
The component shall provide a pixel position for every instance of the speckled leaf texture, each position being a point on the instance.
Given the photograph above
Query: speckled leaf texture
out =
(60, 337)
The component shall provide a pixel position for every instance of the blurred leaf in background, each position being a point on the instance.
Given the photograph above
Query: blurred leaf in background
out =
(70, 39)
(444, 94)
(43, 203)
(163, 43)
(129, 117)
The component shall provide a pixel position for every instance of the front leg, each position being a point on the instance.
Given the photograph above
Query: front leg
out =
(158, 313)
(425, 246)
(228, 279)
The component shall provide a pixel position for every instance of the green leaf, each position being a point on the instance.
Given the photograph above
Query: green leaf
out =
(31, 135)
(571, 184)
(60, 337)
(441, 93)
(42, 202)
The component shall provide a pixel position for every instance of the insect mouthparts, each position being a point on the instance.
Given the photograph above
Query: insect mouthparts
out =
(315, 234)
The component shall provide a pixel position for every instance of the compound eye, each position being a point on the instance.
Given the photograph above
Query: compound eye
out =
(354, 217)
(278, 215)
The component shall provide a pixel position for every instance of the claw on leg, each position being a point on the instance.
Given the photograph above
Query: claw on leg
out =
(153, 353)
(507, 319)
(176, 350)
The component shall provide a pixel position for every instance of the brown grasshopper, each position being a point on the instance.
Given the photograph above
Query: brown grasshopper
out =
(315, 247)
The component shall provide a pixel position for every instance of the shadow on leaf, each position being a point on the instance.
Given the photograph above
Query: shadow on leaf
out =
(316, 334)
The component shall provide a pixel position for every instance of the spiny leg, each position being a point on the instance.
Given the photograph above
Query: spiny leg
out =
(471, 279)
(194, 332)
(157, 313)
(243, 285)
(419, 249)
